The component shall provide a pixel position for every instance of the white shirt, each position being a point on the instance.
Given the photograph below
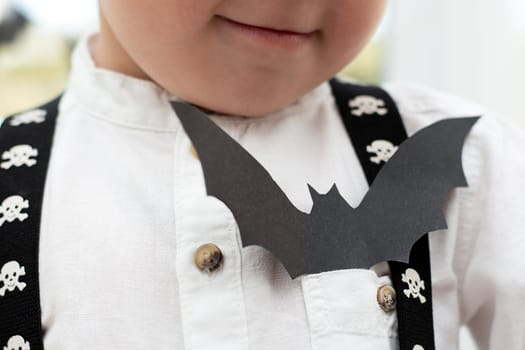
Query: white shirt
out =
(125, 208)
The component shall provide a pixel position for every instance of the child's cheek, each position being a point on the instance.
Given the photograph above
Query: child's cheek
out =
(348, 26)
(159, 17)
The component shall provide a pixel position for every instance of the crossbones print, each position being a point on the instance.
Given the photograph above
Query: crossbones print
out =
(365, 104)
(16, 342)
(34, 116)
(383, 150)
(19, 155)
(415, 285)
(10, 274)
(11, 209)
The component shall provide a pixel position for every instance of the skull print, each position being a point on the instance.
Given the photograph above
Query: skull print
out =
(365, 104)
(383, 150)
(11, 209)
(34, 116)
(17, 342)
(10, 275)
(415, 285)
(19, 155)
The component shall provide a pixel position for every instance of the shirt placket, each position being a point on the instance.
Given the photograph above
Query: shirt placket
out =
(208, 260)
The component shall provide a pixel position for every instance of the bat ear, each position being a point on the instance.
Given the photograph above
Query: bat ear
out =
(313, 193)
(334, 191)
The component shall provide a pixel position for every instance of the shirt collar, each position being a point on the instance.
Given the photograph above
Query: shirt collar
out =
(138, 103)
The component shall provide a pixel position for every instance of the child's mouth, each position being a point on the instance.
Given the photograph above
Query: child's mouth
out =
(283, 38)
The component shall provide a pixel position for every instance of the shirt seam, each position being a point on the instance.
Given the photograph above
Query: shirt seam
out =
(176, 176)
(233, 229)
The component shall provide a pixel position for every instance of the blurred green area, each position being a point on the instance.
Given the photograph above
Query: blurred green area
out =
(34, 68)
(367, 67)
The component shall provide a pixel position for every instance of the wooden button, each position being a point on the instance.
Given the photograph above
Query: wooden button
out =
(194, 152)
(208, 257)
(386, 298)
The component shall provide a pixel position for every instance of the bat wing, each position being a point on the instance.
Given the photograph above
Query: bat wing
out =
(407, 198)
(264, 214)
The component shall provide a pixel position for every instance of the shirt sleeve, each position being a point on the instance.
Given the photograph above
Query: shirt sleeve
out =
(492, 288)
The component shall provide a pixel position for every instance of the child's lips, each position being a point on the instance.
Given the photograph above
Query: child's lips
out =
(281, 37)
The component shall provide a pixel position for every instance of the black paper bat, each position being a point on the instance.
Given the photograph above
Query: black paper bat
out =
(404, 202)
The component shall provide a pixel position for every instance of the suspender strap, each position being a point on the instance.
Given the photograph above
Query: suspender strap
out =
(414, 313)
(369, 114)
(374, 126)
(25, 144)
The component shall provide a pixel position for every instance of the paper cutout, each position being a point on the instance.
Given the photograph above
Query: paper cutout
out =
(404, 202)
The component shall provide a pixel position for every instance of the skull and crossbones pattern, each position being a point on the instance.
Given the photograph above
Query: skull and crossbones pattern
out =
(17, 342)
(18, 156)
(415, 285)
(418, 347)
(382, 149)
(10, 275)
(365, 104)
(34, 116)
(11, 209)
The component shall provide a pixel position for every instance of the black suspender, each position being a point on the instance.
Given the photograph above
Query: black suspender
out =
(25, 145)
(369, 114)
(373, 124)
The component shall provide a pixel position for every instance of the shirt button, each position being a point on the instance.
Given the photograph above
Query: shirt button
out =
(386, 298)
(208, 257)
(194, 152)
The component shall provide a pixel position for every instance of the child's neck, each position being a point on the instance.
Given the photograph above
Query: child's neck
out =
(107, 53)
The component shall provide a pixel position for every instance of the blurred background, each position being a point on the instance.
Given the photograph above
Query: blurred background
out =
(471, 48)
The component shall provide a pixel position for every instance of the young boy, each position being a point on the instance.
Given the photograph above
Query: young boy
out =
(125, 215)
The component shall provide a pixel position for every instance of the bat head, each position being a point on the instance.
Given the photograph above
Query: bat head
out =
(328, 204)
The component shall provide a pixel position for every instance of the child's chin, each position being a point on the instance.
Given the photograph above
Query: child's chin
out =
(238, 98)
